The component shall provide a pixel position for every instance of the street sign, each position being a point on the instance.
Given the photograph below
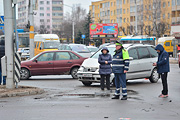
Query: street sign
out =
(83, 36)
(1, 28)
(1, 20)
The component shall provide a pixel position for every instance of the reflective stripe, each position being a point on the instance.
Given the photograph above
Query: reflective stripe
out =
(117, 94)
(124, 89)
(118, 89)
(118, 59)
(126, 67)
(126, 61)
(124, 94)
(118, 65)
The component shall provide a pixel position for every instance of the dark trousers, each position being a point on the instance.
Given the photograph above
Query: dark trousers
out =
(164, 83)
(2, 78)
(107, 78)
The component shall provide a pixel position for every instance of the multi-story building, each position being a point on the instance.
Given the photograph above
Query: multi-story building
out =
(153, 16)
(48, 15)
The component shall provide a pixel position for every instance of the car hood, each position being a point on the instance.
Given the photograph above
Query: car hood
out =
(90, 62)
(25, 62)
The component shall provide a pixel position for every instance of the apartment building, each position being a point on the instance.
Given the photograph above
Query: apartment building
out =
(48, 14)
(151, 15)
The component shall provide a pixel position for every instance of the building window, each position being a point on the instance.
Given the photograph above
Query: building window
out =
(173, 2)
(57, 2)
(168, 4)
(168, 15)
(127, 19)
(48, 14)
(145, 18)
(124, 11)
(48, 2)
(41, 14)
(41, 20)
(132, 8)
(124, 1)
(48, 20)
(149, 7)
(41, 8)
(164, 4)
(111, 3)
(111, 13)
(48, 26)
(163, 16)
(48, 8)
(128, 10)
(56, 8)
(41, 2)
(124, 20)
(149, 17)
(57, 14)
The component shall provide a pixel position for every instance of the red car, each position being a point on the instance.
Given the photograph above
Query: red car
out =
(179, 59)
(52, 63)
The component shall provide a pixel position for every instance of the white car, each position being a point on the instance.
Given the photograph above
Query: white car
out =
(92, 49)
(141, 59)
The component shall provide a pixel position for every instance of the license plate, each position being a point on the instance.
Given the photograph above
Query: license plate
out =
(87, 75)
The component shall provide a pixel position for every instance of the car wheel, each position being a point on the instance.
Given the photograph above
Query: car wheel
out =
(154, 76)
(74, 72)
(87, 83)
(24, 74)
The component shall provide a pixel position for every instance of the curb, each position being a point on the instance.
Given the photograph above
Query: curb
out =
(21, 91)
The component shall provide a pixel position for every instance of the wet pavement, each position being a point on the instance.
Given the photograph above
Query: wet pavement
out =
(67, 99)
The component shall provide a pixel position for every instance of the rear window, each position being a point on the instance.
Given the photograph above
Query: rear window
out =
(143, 52)
(152, 51)
(79, 48)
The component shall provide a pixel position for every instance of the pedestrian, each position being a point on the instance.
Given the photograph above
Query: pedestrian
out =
(2, 53)
(120, 66)
(105, 61)
(163, 68)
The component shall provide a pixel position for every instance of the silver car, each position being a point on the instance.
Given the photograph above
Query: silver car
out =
(141, 59)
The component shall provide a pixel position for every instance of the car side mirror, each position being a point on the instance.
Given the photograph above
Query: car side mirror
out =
(130, 58)
(36, 60)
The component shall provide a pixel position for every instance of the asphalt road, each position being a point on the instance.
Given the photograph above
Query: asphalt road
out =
(67, 99)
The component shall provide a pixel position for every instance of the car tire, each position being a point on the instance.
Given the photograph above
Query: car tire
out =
(25, 74)
(87, 83)
(74, 72)
(154, 76)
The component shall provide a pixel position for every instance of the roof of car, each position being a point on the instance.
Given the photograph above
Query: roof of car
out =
(91, 47)
(129, 45)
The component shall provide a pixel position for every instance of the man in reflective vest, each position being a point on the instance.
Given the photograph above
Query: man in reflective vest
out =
(120, 66)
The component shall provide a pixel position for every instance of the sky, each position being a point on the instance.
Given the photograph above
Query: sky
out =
(84, 3)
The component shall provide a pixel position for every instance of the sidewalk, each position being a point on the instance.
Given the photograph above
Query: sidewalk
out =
(173, 60)
(21, 91)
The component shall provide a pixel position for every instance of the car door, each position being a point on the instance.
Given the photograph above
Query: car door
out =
(145, 64)
(43, 65)
(134, 64)
(62, 63)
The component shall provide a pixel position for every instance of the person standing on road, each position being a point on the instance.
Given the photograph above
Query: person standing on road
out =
(105, 61)
(2, 53)
(163, 68)
(178, 48)
(120, 66)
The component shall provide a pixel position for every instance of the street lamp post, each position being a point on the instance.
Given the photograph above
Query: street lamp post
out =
(72, 21)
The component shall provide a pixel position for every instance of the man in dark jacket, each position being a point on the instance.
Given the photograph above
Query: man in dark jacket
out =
(120, 66)
(105, 61)
(163, 68)
(2, 53)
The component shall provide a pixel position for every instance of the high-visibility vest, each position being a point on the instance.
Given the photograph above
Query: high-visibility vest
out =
(125, 54)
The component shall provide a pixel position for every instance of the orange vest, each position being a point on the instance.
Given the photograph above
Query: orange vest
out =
(178, 47)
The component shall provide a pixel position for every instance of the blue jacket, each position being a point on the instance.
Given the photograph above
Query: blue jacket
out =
(163, 60)
(105, 69)
(119, 64)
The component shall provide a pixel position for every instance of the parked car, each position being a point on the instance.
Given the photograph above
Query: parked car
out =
(92, 49)
(25, 53)
(52, 63)
(179, 59)
(79, 48)
(141, 59)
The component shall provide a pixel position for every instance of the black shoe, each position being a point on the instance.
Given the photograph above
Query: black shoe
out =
(102, 89)
(124, 98)
(115, 97)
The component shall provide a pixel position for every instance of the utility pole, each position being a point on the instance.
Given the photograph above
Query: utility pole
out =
(9, 43)
(136, 16)
(31, 29)
(72, 24)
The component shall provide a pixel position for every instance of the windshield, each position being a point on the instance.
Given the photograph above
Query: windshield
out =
(111, 51)
(79, 48)
(93, 49)
(51, 45)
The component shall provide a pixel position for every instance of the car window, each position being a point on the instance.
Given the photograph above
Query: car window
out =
(143, 52)
(79, 48)
(60, 47)
(38, 45)
(41, 46)
(133, 53)
(62, 56)
(152, 51)
(46, 57)
(167, 44)
(68, 48)
(74, 56)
